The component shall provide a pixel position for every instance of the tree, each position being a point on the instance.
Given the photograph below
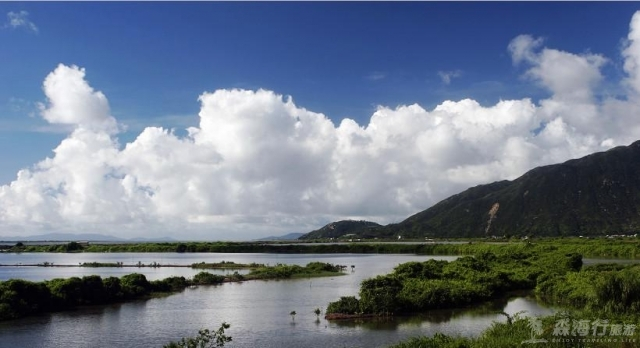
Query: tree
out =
(70, 247)
(205, 339)
(181, 248)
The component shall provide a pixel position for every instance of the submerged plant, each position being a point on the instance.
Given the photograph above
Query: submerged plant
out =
(205, 339)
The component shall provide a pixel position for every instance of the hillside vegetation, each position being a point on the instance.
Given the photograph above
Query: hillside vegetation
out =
(360, 229)
(596, 195)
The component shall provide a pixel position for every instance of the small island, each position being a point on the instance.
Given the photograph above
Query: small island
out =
(20, 298)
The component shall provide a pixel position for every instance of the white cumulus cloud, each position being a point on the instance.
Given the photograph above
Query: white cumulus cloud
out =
(257, 163)
(631, 54)
(568, 76)
(71, 101)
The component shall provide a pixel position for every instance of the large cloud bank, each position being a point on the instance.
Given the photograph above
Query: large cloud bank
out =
(259, 164)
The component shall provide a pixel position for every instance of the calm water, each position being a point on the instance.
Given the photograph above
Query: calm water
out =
(258, 311)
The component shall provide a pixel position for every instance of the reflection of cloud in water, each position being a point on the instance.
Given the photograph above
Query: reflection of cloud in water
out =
(528, 306)
(469, 321)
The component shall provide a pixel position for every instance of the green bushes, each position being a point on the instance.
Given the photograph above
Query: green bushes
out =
(19, 298)
(206, 278)
(379, 295)
(619, 292)
(419, 294)
(65, 292)
(345, 305)
(236, 277)
(275, 272)
(226, 265)
(112, 289)
(611, 289)
(171, 284)
(431, 269)
(280, 271)
(101, 264)
(71, 247)
(134, 285)
(420, 286)
(323, 267)
(92, 290)
(596, 247)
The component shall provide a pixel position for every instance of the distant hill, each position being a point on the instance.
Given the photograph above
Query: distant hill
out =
(66, 237)
(595, 195)
(69, 237)
(289, 236)
(362, 229)
(151, 239)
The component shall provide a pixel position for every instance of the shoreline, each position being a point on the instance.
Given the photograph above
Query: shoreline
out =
(61, 294)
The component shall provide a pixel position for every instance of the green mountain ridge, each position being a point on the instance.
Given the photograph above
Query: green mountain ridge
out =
(598, 194)
(595, 195)
(361, 228)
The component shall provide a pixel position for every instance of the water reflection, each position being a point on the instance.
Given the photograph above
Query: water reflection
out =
(258, 312)
(521, 303)
(367, 261)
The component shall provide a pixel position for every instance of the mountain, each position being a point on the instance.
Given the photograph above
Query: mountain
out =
(151, 239)
(289, 236)
(66, 237)
(338, 229)
(595, 195)
(92, 237)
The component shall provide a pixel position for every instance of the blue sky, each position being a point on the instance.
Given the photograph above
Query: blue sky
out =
(342, 59)
(153, 60)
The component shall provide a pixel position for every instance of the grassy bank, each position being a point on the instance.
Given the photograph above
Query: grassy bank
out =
(434, 284)
(555, 277)
(627, 248)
